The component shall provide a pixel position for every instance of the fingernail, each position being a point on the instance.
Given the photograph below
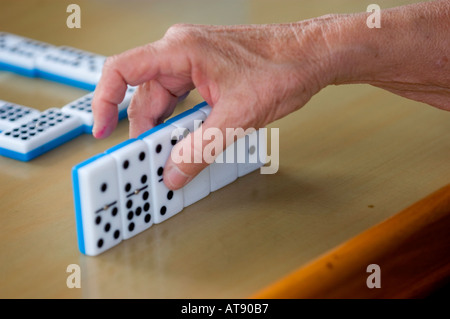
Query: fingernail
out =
(174, 177)
(96, 133)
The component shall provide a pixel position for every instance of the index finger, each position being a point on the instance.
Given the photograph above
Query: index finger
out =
(131, 67)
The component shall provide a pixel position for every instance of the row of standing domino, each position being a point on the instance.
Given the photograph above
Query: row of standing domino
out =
(120, 192)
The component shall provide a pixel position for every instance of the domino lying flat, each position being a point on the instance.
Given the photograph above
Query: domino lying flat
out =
(70, 66)
(18, 54)
(62, 64)
(83, 108)
(121, 192)
(26, 133)
(41, 134)
(12, 115)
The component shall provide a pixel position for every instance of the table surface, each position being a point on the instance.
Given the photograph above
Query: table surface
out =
(354, 156)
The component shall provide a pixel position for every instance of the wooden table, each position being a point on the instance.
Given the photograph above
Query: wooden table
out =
(350, 161)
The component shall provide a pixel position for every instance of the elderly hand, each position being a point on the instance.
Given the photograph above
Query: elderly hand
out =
(252, 75)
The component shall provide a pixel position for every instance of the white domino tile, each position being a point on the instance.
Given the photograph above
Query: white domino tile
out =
(97, 205)
(35, 137)
(223, 170)
(251, 152)
(19, 54)
(82, 108)
(11, 115)
(71, 66)
(166, 202)
(132, 159)
(200, 186)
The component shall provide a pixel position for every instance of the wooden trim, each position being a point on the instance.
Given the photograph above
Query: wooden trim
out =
(412, 249)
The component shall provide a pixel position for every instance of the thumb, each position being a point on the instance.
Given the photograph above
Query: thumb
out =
(198, 149)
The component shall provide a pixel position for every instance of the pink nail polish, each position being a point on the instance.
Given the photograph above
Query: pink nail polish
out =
(99, 134)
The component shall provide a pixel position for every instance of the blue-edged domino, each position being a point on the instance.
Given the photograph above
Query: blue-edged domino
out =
(133, 170)
(110, 188)
(223, 170)
(11, 115)
(18, 54)
(251, 152)
(123, 106)
(82, 108)
(39, 135)
(199, 186)
(70, 66)
(97, 204)
(166, 202)
(250, 155)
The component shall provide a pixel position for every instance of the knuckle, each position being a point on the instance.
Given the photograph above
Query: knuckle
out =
(132, 111)
(110, 62)
(176, 28)
(329, 16)
(181, 32)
